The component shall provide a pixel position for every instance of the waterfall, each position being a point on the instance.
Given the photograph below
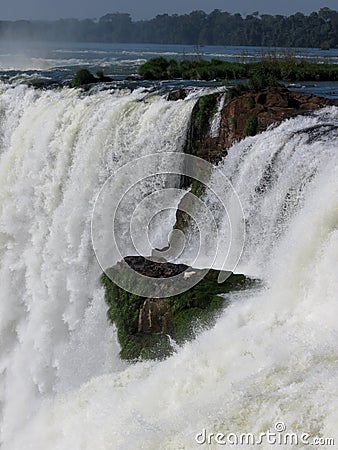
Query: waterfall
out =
(57, 149)
(270, 357)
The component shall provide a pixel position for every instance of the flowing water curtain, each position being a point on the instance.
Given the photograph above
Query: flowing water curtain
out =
(58, 148)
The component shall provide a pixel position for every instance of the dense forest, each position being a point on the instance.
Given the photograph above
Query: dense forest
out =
(319, 29)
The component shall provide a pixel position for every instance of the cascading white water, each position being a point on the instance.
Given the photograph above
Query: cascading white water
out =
(273, 174)
(57, 149)
(271, 356)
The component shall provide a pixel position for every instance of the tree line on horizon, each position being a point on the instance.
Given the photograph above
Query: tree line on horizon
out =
(318, 29)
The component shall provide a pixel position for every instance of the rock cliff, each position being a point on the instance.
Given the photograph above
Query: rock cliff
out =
(247, 114)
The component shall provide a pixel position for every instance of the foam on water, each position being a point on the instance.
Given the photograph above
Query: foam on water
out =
(58, 148)
(271, 355)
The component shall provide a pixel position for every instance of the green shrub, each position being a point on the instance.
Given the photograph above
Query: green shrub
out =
(235, 91)
(100, 74)
(249, 102)
(233, 123)
(251, 126)
(203, 111)
(262, 76)
(155, 69)
(82, 76)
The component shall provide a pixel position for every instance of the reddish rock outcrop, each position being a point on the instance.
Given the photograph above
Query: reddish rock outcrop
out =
(269, 106)
(247, 114)
(264, 108)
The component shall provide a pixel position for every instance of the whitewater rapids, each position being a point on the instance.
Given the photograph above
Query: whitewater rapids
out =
(272, 355)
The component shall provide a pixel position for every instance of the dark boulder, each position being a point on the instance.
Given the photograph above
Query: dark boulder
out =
(180, 94)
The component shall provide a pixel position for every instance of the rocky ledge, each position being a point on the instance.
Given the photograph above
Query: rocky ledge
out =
(147, 327)
(246, 114)
(254, 112)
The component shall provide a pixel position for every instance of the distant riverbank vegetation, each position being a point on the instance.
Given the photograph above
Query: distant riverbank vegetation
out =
(272, 67)
(319, 29)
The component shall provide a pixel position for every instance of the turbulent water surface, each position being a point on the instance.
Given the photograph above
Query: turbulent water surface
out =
(52, 64)
(272, 355)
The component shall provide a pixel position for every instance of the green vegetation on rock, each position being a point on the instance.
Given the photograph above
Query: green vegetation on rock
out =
(251, 126)
(264, 73)
(204, 111)
(186, 313)
(201, 118)
(250, 102)
(83, 77)
(233, 123)
(145, 346)
(265, 76)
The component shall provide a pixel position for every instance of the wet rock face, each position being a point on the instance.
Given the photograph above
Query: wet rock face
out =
(180, 94)
(154, 267)
(249, 113)
(146, 325)
(154, 317)
(269, 107)
(200, 143)
(246, 115)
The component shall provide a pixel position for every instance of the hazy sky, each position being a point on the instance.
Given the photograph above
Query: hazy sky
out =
(54, 9)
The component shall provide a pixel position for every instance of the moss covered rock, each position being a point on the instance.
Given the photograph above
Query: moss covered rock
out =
(146, 327)
(83, 77)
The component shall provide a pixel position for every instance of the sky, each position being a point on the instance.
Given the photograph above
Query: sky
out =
(145, 9)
